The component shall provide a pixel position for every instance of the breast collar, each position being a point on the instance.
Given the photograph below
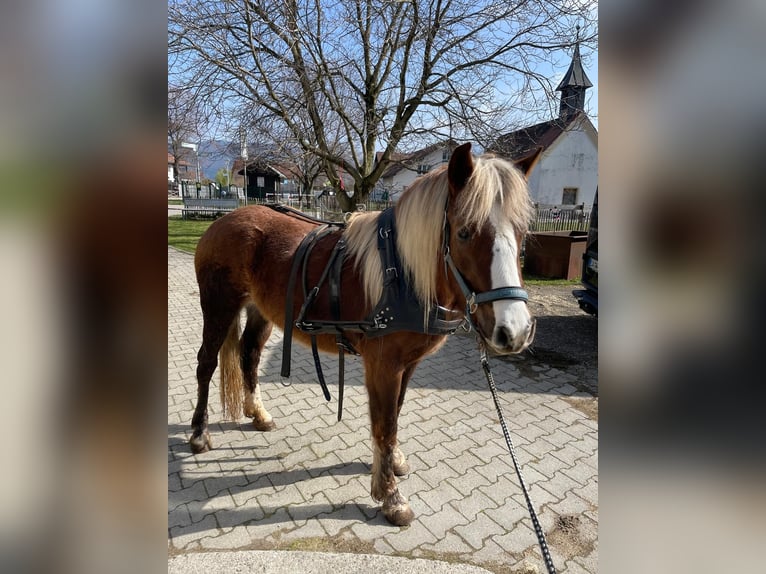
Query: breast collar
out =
(399, 308)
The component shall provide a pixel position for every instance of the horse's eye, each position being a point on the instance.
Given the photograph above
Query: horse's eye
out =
(463, 233)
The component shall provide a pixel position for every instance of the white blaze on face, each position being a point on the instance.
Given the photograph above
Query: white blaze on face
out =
(509, 313)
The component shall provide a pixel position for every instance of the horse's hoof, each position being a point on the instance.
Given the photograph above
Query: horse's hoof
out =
(400, 464)
(201, 442)
(264, 426)
(402, 468)
(399, 514)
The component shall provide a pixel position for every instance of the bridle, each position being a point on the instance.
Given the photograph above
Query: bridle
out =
(473, 299)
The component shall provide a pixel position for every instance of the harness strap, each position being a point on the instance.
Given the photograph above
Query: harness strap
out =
(334, 287)
(288, 331)
(300, 323)
(341, 375)
(502, 293)
(314, 348)
(332, 270)
(318, 367)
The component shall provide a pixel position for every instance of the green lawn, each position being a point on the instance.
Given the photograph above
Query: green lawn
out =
(535, 280)
(175, 201)
(184, 234)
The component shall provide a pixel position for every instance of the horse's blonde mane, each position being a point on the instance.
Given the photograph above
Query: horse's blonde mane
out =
(494, 184)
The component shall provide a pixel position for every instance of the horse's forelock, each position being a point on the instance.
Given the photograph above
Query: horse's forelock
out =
(496, 184)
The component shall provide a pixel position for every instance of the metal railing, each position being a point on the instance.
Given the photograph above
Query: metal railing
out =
(557, 219)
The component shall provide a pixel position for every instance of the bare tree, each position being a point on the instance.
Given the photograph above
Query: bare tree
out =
(186, 121)
(378, 70)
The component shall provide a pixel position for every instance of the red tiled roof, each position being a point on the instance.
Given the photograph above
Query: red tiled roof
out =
(524, 143)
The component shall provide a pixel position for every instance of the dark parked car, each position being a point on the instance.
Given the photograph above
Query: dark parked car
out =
(588, 296)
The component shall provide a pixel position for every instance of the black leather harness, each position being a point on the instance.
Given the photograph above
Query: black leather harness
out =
(399, 309)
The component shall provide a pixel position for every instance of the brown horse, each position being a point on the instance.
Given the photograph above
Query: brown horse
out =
(459, 231)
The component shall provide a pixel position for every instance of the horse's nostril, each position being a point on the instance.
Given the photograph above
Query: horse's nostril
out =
(503, 337)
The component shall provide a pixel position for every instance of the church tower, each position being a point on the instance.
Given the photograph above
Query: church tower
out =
(573, 86)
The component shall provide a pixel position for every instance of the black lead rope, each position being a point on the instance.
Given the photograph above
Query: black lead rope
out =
(538, 529)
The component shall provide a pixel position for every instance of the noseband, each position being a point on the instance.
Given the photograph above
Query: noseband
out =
(473, 299)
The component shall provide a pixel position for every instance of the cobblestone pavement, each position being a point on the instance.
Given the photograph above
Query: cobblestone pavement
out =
(306, 485)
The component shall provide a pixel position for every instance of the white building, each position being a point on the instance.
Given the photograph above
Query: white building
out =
(566, 173)
(404, 169)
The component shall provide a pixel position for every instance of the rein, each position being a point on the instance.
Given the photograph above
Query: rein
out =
(472, 302)
(530, 507)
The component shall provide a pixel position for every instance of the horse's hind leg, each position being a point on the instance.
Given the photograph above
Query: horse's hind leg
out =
(383, 387)
(254, 337)
(219, 309)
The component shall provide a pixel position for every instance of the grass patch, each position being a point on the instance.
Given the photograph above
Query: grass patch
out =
(185, 234)
(175, 201)
(536, 280)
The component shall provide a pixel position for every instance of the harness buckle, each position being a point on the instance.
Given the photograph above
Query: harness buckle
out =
(471, 304)
(392, 270)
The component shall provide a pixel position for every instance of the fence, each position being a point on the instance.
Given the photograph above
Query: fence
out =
(327, 207)
(556, 219)
(324, 207)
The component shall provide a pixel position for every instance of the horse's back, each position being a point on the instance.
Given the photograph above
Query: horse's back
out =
(237, 237)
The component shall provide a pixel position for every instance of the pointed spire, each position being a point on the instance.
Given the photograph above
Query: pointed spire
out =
(575, 75)
(573, 85)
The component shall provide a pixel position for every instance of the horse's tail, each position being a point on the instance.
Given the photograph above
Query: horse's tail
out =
(232, 378)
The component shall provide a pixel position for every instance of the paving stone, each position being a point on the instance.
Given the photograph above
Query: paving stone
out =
(435, 475)
(572, 567)
(480, 528)
(194, 492)
(438, 523)
(450, 544)
(406, 539)
(179, 517)
(492, 552)
(472, 504)
(310, 529)
(236, 538)
(517, 540)
(437, 497)
(182, 536)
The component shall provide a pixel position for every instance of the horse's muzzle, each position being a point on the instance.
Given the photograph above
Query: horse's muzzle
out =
(506, 342)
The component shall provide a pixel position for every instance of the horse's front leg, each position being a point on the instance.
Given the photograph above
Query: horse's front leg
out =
(383, 387)
(401, 466)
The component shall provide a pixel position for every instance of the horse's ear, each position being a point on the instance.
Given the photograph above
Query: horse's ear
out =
(527, 164)
(460, 168)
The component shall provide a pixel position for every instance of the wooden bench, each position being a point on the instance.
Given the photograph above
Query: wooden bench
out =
(208, 206)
